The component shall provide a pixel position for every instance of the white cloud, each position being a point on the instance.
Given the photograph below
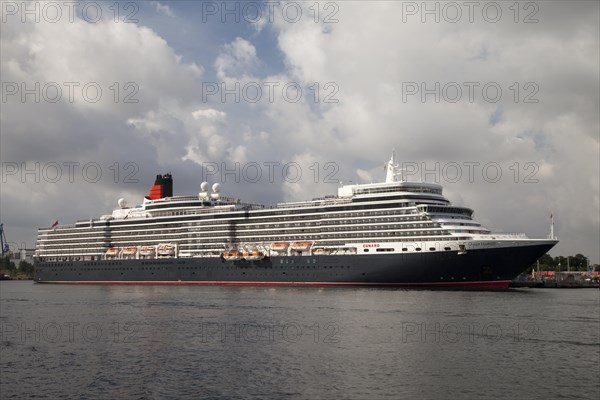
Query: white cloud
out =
(236, 59)
(209, 113)
(164, 9)
(365, 176)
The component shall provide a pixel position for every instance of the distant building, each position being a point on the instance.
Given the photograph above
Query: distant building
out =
(22, 255)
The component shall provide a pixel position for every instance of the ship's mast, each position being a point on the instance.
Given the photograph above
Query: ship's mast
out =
(393, 170)
(551, 236)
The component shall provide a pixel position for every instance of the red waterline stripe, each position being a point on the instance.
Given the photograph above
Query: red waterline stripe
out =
(480, 284)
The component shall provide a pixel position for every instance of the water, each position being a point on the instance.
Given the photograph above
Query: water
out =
(155, 342)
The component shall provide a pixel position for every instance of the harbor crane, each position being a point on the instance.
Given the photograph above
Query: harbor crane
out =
(3, 243)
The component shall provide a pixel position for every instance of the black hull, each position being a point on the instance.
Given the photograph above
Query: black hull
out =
(486, 268)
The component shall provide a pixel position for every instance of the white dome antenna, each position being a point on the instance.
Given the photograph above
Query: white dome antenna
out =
(122, 203)
(216, 188)
(203, 190)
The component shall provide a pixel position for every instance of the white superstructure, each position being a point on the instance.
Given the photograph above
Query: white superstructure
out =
(394, 216)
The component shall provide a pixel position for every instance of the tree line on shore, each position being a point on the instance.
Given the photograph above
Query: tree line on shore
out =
(577, 262)
(24, 269)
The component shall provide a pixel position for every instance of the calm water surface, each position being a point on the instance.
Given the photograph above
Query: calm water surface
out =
(155, 342)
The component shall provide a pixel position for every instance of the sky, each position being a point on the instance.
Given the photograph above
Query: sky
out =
(283, 101)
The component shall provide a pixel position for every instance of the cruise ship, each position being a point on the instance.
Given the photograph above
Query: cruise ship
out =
(394, 233)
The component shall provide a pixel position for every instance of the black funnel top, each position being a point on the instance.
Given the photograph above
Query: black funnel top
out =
(166, 181)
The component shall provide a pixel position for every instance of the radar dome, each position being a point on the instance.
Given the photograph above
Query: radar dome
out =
(204, 186)
(216, 187)
(122, 203)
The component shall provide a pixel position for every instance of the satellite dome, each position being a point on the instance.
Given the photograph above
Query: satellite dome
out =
(204, 186)
(216, 187)
(122, 203)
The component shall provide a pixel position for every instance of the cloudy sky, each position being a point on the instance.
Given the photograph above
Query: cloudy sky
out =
(281, 101)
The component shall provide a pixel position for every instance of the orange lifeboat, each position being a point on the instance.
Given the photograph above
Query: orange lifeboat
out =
(165, 250)
(301, 246)
(232, 256)
(147, 251)
(279, 246)
(113, 252)
(319, 251)
(254, 255)
(130, 251)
